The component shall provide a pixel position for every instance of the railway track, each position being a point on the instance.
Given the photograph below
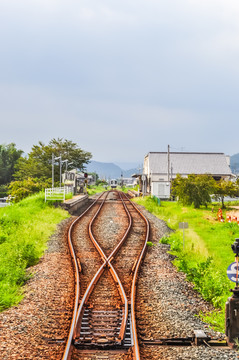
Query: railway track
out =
(107, 244)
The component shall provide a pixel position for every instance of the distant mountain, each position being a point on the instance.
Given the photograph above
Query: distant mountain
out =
(130, 172)
(108, 170)
(235, 163)
(128, 165)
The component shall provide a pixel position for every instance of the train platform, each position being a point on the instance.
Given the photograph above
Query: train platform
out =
(78, 201)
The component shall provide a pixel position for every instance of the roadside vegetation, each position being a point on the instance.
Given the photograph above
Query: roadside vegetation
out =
(96, 189)
(25, 228)
(206, 253)
(103, 186)
(99, 187)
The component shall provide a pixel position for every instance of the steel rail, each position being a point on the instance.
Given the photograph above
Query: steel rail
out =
(86, 296)
(99, 273)
(96, 244)
(136, 353)
(67, 351)
(116, 249)
(94, 280)
(78, 309)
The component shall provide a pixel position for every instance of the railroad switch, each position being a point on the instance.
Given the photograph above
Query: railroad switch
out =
(200, 337)
(232, 317)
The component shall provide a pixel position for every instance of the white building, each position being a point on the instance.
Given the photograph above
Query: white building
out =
(161, 168)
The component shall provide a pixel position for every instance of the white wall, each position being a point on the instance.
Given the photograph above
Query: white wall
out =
(161, 189)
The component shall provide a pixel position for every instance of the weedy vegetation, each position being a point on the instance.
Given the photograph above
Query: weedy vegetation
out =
(25, 228)
(206, 254)
(96, 189)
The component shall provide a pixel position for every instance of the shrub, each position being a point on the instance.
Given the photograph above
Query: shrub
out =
(165, 240)
(23, 188)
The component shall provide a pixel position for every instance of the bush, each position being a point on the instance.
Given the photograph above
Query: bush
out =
(165, 240)
(23, 188)
(176, 242)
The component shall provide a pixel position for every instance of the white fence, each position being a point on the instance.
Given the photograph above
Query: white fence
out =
(4, 202)
(58, 193)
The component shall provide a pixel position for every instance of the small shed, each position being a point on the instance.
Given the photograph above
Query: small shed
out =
(161, 168)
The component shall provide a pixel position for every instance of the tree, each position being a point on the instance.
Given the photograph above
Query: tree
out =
(39, 161)
(195, 189)
(225, 188)
(9, 155)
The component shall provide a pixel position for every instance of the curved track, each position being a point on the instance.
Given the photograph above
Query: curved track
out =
(105, 276)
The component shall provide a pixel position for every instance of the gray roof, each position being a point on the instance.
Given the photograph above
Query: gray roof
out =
(189, 163)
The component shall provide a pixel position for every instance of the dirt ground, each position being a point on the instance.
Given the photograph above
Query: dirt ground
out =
(234, 212)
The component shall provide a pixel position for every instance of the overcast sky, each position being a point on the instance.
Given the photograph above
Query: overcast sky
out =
(121, 78)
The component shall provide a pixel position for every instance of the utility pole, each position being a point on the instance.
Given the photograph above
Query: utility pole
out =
(60, 170)
(68, 164)
(168, 163)
(56, 158)
(62, 162)
(53, 161)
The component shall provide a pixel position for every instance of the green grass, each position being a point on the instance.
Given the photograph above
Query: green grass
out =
(93, 189)
(69, 196)
(207, 252)
(25, 228)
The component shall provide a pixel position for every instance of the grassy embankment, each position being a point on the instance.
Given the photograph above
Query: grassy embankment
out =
(93, 189)
(25, 228)
(207, 252)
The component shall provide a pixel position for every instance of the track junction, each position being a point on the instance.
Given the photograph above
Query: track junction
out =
(166, 306)
(106, 268)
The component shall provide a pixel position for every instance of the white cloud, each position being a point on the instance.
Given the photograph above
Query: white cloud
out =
(132, 129)
(159, 68)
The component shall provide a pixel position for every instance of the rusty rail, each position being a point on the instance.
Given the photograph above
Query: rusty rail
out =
(136, 352)
(99, 273)
(79, 309)
(67, 351)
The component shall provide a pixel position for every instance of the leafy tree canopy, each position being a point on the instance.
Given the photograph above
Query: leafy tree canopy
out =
(225, 188)
(39, 161)
(195, 189)
(9, 155)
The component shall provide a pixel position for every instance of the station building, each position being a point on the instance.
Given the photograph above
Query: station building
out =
(160, 168)
(77, 180)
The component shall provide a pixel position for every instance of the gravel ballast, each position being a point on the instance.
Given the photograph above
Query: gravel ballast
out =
(37, 327)
(167, 306)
